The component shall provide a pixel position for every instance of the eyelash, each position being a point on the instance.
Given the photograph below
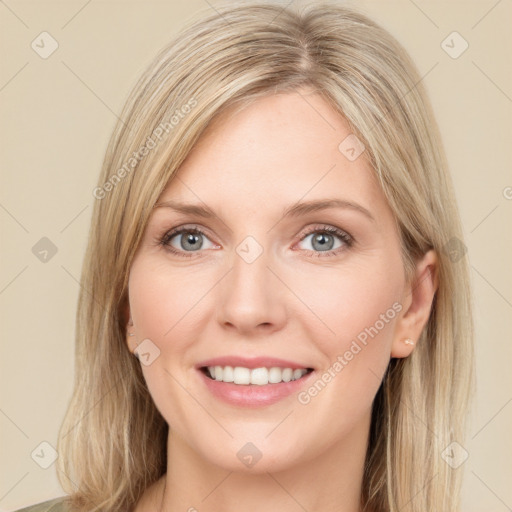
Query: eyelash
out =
(347, 239)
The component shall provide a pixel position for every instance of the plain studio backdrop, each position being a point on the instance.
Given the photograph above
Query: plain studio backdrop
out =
(67, 68)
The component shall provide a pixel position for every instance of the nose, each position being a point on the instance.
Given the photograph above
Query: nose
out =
(252, 299)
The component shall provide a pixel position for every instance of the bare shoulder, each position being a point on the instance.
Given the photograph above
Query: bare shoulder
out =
(54, 505)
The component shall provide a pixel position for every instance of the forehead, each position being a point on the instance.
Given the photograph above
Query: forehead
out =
(278, 150)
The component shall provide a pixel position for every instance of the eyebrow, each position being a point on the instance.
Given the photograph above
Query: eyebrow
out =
(295, 210)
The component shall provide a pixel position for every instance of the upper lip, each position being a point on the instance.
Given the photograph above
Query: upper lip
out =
(253, 362)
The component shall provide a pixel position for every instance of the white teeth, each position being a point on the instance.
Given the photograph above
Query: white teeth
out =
(256, 376)
(297, 374)
(259, 376)
(228, 374)
(274, 375)
(241, 375)
(287, 374)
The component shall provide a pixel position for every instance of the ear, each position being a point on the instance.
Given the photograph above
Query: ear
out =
(126, 312)
(417, 304)
(128, 323)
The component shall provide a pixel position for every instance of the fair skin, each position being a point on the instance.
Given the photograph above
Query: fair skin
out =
(248, 168)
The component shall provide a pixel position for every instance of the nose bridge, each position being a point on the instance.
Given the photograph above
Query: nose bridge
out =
(250, 292)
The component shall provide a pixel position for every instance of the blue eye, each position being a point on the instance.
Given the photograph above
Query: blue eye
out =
(323, 240)
(191, 240)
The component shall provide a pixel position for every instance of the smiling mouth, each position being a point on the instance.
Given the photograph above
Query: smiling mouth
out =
(253, 376)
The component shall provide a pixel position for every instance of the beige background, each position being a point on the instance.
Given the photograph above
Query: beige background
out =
(56, 117)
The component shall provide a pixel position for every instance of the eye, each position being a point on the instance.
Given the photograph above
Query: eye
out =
(323, 240)
(185, 239)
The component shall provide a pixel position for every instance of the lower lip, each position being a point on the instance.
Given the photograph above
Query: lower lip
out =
(252, 395)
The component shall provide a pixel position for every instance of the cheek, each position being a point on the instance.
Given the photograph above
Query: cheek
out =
(360, 309)
(164, 305)
(356, 305)
(163, 300)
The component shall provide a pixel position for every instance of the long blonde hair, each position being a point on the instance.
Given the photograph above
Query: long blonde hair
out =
(112, 443)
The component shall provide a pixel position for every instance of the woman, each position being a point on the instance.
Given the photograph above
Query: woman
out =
(272, 312)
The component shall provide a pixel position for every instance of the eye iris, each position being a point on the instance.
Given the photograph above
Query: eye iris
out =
(191, 240)
(321, 239)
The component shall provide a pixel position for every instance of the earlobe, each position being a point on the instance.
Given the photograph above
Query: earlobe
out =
(130, 338)
(419, 295)
(130, 332)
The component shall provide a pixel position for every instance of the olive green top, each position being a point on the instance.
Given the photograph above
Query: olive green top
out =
(55, 505)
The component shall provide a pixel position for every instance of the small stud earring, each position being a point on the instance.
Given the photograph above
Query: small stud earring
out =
(408, 341)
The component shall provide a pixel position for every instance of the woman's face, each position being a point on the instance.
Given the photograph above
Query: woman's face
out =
(267, 278)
